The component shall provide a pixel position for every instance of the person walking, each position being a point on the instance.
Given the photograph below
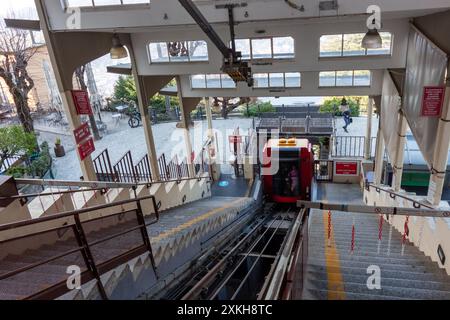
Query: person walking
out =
(345, 109)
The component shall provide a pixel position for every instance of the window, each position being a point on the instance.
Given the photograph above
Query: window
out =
(344, 78)
(283, 48)
(348, 45)
(351, 78)
(277, 80)
(198, 81)
(261, 48)
(243, 46)
(261, 80)
(292, 79)
(327, 79)
(212, 81)
(178, 51)
(331, 46)
(102, 3)
(266, 48)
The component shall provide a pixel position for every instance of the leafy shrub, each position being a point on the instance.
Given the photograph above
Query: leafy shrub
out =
(256, 109)
(333, 106)
(42, 164)
(16, 172)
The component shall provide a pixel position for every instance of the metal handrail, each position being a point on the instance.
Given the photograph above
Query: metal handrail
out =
(84, 245)
(67, 214)
(393, 195)
(95, 186)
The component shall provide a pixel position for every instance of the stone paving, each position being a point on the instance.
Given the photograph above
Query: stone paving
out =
(168, 139)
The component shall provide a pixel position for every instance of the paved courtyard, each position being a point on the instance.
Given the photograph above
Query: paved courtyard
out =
(169, 140)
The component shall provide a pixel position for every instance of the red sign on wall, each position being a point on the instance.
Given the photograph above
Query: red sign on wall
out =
(81, 100)
(86, 148)
(347, 168)
(433, 100)
(235, 139)
(82, 133)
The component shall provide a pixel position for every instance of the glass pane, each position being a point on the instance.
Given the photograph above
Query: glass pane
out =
(387, 45)
(135, 1)
(293, 80)
(344, 78)
(276, 80)
(362, 78)
(158, 52)
(79, 3)
(213, 81)
(178, 51)
(198, 81)
(99, 3)
(227, 82)
(352, 44)
(261, 48)
(331, 45)
(283, 48)
(243, 46)
(327, 79)
(198, 51)
(261, 80)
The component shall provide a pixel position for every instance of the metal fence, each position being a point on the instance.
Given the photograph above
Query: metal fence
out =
(352, 146)
(9, 162)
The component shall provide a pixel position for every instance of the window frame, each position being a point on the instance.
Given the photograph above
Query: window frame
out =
(342, 55)
(121, 6)
(205, 75)
(353, 79)
(189, 60)
(271, 38)
(284, 81)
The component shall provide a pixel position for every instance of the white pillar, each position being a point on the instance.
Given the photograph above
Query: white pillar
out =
(440, 157)
(143, 102)
(399, 152)
(368, 145)
(209, 118)
(185, 121)
(379, 158)
(87, 166)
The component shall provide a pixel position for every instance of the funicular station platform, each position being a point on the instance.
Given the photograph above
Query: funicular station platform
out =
(306, 214)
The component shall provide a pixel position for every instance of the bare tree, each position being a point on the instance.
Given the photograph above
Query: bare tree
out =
(227, 105)
(16, 50)
(79, 74)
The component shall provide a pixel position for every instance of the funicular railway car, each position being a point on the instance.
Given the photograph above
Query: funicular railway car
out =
(287, 170)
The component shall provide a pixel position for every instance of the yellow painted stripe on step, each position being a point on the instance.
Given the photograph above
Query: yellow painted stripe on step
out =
(336, 289)
(194, 221)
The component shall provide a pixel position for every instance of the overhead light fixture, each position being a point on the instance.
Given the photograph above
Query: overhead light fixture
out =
(118, 51)
(372, 40)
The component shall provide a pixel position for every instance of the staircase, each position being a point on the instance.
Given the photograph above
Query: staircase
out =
(335, 273)
(122, 259)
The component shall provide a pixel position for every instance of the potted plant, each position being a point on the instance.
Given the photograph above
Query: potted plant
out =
(59, 149)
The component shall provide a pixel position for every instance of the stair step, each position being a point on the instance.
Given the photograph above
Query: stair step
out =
(401, 292)
(383, 266)
(381, 259)
(413, 275)
(390, 282)
(323, 295)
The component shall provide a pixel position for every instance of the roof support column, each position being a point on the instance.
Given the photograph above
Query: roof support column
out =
(186, 108)
(87, 166)
(399, 152)
(440, 157)
(379, 158)
(368, 144)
